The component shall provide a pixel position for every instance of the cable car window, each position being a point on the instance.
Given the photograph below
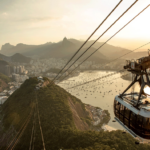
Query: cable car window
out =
(140, 121)
(117, 113)
(115, 103)
(127, 113)
(126, 122)
(146, 126)
(122, 109)
(133, 120)
(121, 117)
(118, 106)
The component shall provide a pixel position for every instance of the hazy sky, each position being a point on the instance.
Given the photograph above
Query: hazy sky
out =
(41, 21)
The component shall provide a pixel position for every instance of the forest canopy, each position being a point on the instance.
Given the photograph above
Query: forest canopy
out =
(59, 130)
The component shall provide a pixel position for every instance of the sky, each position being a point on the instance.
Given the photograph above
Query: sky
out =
(40, 21)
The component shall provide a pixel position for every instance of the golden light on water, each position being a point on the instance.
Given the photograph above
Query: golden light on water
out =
(147, 90)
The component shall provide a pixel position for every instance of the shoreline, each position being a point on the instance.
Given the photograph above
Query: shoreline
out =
(108, 128)
(82, 71)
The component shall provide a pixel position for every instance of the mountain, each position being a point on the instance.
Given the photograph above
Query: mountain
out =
(61, 118)
(63, 49)
(5, 58)
(15, 58)
(3, 65)
(19, 48)
(20, 58)
(6, 47)
(98, 56)
(66, 48)
(112, 52)
(136, 55)
(58, 50)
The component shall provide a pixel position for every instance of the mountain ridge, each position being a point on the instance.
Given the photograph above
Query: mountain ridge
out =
(68, 47)
(57, 122)
(17, 57)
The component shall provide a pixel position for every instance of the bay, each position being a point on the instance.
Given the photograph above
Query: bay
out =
(99, 93)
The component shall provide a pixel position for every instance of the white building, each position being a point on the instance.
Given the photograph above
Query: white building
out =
(14, 68)
(18, 69)
(19, 78)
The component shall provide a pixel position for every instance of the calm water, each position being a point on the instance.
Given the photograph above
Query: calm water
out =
(100, 93)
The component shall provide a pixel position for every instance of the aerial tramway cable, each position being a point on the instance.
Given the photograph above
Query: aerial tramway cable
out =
(105, 43)
(40, 122)
(32, 133)
(108, 63)
(86, 40)
(15, 141)
(98, 38)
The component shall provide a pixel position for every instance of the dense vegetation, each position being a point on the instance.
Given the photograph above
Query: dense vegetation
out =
(57, 122)
(4, 78)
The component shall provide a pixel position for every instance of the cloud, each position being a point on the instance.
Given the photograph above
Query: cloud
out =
(25, 19)
(37, 19)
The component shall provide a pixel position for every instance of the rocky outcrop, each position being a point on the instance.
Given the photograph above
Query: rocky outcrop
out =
(78, 113)
(6, 47)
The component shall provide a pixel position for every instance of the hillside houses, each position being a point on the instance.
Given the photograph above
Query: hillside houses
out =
(97, 114)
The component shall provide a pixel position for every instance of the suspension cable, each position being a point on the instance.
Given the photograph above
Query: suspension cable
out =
(98, 38)
(98, 79)
(13, 146)
(33, 130)
(111, 61)
(106, 42)
(87, 40)
(40, 122)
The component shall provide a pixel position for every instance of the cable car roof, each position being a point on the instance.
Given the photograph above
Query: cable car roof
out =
(143, 110)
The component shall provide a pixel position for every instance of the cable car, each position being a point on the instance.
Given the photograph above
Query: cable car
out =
(132, 110)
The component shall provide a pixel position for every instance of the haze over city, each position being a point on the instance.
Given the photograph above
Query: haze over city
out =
(36, 22)
(63, 88)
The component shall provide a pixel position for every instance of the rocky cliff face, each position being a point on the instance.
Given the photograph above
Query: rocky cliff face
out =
(6, 47)
(78, 113)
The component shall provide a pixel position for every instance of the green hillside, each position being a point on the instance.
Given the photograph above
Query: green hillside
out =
(59, 130)
(20, 58)
(4, 78)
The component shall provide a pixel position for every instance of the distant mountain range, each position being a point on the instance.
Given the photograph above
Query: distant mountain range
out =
(66, 48)
(15, 58)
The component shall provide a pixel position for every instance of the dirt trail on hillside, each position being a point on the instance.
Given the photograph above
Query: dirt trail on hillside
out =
(77, 113)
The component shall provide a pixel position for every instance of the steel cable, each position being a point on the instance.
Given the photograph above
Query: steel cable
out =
(86, 40)
(97, 39)
(106, 42)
